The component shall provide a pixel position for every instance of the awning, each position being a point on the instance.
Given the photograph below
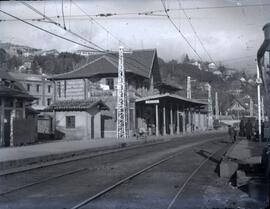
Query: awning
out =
(172, 97)
(14, 93)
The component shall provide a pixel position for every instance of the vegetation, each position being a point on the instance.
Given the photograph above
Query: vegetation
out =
(50, 64)
(178, 72)
(172, 71)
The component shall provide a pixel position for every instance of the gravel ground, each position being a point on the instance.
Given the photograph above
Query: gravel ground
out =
(153, 189)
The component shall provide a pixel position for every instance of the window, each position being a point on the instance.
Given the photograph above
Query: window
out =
(49, 88)
(38, 87)
(70, 121)
(28, 86)
(110, 83)
(59, 88)
(65, 88)
(49, 101)
(38, 101)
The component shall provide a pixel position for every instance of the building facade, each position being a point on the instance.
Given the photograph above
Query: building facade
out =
(97, 81)
(38, 86)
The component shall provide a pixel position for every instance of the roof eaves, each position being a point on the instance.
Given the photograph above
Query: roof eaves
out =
(76, 70)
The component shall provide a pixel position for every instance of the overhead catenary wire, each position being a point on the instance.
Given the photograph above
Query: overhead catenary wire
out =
(59, 25)
(72, 41)
(196, 34)
(108, 32)
(179, 31)
(100, 25)
(49, 32)
(152, 12)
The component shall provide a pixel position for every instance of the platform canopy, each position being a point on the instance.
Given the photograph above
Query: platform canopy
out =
(173, 99)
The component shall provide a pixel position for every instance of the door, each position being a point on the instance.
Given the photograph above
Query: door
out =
(7, 118)
(92, 127)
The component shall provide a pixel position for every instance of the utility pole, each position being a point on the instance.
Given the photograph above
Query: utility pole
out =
(251, 111)
(259, 82)
(216, 106)
(188, 88)
(122, 99)
(262, 103)
(210, 109)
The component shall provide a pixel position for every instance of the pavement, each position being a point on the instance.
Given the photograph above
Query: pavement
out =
(246, 151)
(242, 152)
(16, 159)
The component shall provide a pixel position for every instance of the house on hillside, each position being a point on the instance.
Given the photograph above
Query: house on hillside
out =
(240, 107)
(18, 124)
(212, 67)
(228, 73)
(85, 53)
(52, 52)
(85, 98)
(236, 88)
(217, 73)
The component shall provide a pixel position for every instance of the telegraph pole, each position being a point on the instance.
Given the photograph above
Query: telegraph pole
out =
(210, 109)
(122, 99)
(188, 88)
(216, 106)
(259, 82)
(262, 101)
(251, 112)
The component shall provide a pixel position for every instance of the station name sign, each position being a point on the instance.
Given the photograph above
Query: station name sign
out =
(156, 101)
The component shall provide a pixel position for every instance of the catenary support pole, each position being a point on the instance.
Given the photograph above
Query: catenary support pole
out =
(259, 81)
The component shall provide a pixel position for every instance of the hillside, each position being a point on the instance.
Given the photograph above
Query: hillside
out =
(225, 83)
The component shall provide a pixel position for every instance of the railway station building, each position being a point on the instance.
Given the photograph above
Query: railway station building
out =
(85, 99)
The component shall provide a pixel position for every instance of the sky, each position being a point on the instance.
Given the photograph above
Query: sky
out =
(230, 36)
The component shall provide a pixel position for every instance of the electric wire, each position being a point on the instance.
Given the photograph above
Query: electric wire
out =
(49, 32)
(179, 31)
(59, 25)
(108, 53)
(196, 34)
(152, 12)
(108, 32)
(100, 25)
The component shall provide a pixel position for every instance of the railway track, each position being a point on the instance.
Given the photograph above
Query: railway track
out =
(95, 154)
(144, 170)
(78, 172)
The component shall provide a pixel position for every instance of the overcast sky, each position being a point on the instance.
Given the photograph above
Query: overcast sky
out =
(230, 35)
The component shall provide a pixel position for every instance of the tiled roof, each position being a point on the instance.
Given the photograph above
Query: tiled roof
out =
(240, 102)
(139, 62)
(6, 75)
(79, 105)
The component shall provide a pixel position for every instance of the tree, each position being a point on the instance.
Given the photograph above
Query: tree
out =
(4, 57)
(186, 59)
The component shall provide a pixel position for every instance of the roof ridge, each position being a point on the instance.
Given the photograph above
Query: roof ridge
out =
(76, 70)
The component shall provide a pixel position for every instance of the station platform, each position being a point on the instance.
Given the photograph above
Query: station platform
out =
(16, 159)
(246, 151)
(242, 153)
